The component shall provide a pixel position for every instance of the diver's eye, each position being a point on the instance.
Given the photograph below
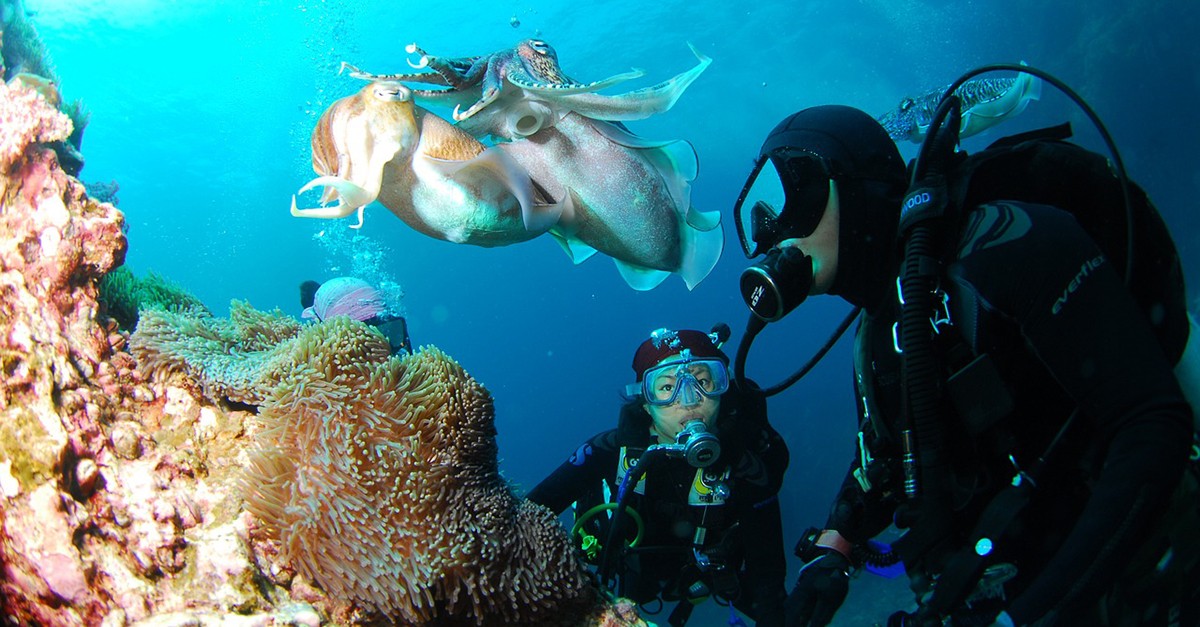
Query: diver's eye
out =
(705, 383)
(664, 391)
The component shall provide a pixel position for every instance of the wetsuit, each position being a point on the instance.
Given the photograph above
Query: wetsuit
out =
(395, 329)
(744, 539)
(1032, 292)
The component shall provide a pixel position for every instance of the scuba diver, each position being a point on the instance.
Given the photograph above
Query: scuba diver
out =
(1019, 419)
(680, 502)
(348, 296)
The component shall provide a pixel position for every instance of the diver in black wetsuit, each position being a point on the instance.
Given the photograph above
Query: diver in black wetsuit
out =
(707, 508)
(1059, 432)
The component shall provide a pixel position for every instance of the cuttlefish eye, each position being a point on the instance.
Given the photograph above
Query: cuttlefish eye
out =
(540, 46)
(392, 92)
(907, 104)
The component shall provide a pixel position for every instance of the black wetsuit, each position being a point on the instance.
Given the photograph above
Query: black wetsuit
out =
(1028, 288)
(395, 329)
(744, 533)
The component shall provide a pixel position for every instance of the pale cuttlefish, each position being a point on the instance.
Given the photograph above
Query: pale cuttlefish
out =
(625, 196)
(986, 102)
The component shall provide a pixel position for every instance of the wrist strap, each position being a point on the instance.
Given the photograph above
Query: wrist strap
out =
(831, 539)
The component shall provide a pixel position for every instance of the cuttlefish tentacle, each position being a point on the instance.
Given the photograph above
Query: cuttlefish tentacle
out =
(493, 86)
(489, 96)
(459, 73)
(351, 198)
(421, 77)
(429, 78)
(422, 59)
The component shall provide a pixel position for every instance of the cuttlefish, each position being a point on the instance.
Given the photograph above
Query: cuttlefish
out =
(516, 92)
(592, 185)
(625, 196)
(986, 102)
(620, 194)
(379, 145)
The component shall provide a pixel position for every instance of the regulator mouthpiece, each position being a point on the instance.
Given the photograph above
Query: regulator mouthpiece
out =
(775, 286)
(700, 448)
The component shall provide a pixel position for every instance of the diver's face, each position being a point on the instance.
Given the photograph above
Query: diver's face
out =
(668, 420)
(822, 245)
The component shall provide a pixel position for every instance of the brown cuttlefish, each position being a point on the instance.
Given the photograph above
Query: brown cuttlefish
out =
(378, 145)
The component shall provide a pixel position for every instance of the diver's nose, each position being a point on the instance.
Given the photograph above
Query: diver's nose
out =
(689, 396)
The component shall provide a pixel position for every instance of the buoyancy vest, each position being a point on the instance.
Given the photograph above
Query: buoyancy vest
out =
(1041, 167)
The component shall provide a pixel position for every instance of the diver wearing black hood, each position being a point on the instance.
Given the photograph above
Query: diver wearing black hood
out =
(1050, 368)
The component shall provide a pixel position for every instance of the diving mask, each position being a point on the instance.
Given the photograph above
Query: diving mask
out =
(686, 380)
(784, 197)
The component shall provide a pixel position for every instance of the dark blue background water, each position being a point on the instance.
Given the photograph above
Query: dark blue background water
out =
(202, 111)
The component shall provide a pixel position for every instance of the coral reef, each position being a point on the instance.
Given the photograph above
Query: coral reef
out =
(122, 483)
(23, 59)
(379, 479)
(104, 192)
(28, 119)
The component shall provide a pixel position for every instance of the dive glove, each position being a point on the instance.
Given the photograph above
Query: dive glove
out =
(820, 590)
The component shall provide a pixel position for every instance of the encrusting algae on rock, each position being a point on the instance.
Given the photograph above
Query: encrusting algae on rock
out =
(162, 489)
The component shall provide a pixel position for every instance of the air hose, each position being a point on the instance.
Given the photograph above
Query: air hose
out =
(612, 549)
(924, 209)
(591, 545)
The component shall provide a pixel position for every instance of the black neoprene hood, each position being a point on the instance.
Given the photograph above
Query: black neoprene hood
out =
(870, 175)
(852, 143)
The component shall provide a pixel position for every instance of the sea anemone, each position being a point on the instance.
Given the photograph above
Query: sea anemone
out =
(379, 479)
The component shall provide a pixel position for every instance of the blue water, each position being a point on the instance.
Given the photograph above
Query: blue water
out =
(201, 112)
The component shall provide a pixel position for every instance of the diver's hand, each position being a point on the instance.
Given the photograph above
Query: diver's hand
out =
(963, 618)
(819, 591)
(1003, 620)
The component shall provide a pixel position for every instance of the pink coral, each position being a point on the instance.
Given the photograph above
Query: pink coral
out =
(26, 119)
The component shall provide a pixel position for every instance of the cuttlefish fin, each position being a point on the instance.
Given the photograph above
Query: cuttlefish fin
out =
(570, 89)
(351, 198)
(578, 251)
(639, 104)
(497, 166)
(640, 278)
(702, 240)
(985, 115)
(675, 160)
(702, 220)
